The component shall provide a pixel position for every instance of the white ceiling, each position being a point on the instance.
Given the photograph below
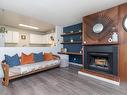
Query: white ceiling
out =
(12, 19)
(58, 12)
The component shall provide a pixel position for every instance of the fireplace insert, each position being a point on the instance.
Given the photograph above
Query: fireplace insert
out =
(101, 59)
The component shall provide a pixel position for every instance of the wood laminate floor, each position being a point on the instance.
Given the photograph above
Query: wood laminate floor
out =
(60, 81)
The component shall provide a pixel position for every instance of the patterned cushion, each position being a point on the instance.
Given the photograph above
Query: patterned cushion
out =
(14, 71)
(12, 60)
(39, 65)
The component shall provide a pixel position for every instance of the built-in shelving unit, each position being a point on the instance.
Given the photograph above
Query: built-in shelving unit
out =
(72, 41)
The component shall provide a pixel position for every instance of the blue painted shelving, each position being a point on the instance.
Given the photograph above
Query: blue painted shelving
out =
(73, 48)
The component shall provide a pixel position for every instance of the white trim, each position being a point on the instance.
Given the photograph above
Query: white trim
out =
(99, 78)
(76, 64)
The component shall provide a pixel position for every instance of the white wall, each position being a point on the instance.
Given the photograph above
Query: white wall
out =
(13, 50)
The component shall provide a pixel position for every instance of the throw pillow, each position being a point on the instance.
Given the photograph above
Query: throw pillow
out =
(12, 60)
(38, 57)
(27, 59)
(48, 56)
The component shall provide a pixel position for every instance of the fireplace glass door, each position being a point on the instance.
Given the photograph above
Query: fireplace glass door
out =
(100, 62)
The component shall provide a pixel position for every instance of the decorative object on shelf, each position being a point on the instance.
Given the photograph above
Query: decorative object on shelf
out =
(80, 52)
(84, 42)
(74, 59)
(114, 37)
(110, 40)
(71, 40)
(80, 30)
(63, 50)
(71, 31)
(125, 23)
(81, 37)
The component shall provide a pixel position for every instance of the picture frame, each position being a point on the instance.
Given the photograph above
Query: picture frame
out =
(23, 36)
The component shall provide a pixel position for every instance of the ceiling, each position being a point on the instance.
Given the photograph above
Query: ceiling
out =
(58, 12)
(13, 19)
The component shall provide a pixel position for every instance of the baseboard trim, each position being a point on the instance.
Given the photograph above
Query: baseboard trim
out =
(99, 78)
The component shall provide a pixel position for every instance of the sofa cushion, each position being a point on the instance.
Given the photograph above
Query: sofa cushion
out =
(38, 57)
(39, 65)
(14, 71)
(27, 59)
(48, 56)
(12, 60)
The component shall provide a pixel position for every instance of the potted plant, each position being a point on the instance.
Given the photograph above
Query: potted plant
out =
(3, 30)
(2, 36)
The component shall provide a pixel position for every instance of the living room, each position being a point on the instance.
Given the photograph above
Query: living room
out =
(69, 47)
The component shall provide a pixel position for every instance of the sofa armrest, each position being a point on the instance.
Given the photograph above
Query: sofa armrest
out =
(6, 74)
(56, 57)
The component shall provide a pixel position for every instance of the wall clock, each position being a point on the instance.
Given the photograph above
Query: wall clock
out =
(125, 23)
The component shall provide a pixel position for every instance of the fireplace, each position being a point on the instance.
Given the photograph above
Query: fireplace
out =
(101, 59)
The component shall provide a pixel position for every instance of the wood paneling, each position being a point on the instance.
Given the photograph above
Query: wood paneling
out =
(117, 15)
(123, 45)
(110, 18)
(107, 76)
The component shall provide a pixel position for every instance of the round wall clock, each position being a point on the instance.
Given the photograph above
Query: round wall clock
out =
(125, 23)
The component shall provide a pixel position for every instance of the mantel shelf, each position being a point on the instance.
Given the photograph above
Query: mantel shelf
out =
(70, 53)
(74, 33)
(75, 42)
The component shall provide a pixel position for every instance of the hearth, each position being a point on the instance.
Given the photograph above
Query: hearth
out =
(101, 59)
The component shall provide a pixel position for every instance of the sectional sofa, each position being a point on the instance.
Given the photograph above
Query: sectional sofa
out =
(13, 71)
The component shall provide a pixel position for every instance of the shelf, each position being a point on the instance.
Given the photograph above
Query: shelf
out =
(112, 43)
(70, 53)
(74, 33)
(39, 44)
(75, 42)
